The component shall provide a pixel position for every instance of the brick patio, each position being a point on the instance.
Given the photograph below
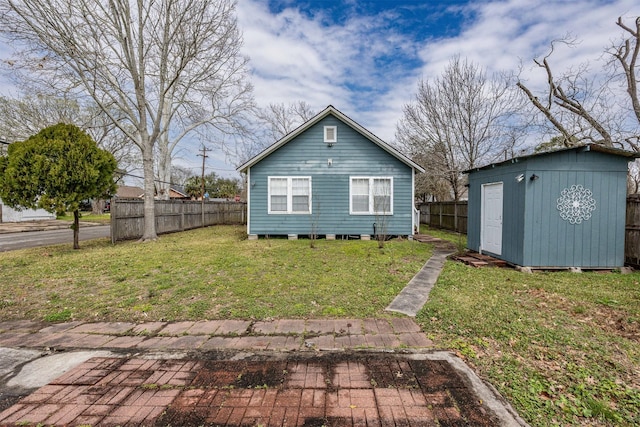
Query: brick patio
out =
(336, 389)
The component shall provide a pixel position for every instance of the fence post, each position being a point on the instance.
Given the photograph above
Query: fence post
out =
(181, 215)
(455, 216)
(114, 222)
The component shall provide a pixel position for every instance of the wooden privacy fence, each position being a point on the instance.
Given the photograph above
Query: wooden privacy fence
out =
(632, 232)
(127, 216)
(447, 215)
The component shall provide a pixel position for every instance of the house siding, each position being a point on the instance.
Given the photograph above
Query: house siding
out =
(534, 234)
(352, 155)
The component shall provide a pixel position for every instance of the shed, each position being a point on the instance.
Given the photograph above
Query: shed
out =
(559, 209)
(331, 177)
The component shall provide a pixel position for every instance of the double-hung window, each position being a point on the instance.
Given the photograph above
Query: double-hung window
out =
(371, 195)
(289, 195)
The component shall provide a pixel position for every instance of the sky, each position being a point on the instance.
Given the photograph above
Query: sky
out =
(366, 57)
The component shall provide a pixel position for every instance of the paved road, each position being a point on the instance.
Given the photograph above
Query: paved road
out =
(13, 241)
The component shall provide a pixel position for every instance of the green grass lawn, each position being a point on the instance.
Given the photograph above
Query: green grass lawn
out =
(204, 274)
(563, 348)
(87, 217)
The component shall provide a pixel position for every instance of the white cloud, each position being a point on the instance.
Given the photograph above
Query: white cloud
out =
(297, 57)
(504, 33)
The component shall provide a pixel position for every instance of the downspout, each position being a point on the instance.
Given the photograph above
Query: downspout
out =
(413, 202)
(248, 200)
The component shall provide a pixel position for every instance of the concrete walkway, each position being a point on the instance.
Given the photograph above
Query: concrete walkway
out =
(379, 372)
(276, 335)
(413, 297)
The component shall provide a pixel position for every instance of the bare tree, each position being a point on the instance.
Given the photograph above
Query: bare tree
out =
(633, 178)
(282, 119)
(586, 108)
(158, 63)
(180, 175)
(210, 99)
(26, 116)
(458, 121)
(431, 185)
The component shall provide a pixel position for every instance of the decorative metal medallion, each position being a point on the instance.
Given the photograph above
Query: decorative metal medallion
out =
(576, 204)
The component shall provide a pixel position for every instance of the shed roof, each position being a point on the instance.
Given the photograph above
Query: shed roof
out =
(330, 110)
(587, 147)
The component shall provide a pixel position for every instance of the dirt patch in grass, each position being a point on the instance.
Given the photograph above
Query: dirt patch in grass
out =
(601, 314)
(611, 320)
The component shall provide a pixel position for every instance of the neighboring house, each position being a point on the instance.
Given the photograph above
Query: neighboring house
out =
(559, 209)
(129, 192)
(175, 194)
(132, 192)
(331, 177)
(8, 214)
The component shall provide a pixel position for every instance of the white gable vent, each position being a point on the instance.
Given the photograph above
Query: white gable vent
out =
(330, 135)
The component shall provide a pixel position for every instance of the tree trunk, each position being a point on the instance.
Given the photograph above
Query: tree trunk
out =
(76, 229)
(149, 231)
(164, 169)
(97, 206)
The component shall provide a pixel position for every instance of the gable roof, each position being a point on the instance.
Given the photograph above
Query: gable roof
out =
(129, 192)
(176, 193)
(330, 110)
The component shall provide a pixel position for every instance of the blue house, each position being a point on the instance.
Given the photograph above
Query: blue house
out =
(330, 177)
(559, 209)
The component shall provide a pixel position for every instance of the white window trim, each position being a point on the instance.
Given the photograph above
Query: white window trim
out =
(335, 134)
(289, 210)
(371, 207)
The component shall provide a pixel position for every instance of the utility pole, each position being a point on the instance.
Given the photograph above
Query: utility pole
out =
(204, 156)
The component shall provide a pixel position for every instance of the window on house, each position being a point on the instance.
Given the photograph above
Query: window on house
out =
(330, 134)
(289, 195)
(371, 196)
(360, 195)
(278, 194)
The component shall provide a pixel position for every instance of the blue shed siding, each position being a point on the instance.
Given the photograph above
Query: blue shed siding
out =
(513, 207)
(598, 242)
(534, 233)
(352, 155)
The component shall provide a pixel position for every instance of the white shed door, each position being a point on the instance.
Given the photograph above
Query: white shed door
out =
(491, 220)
